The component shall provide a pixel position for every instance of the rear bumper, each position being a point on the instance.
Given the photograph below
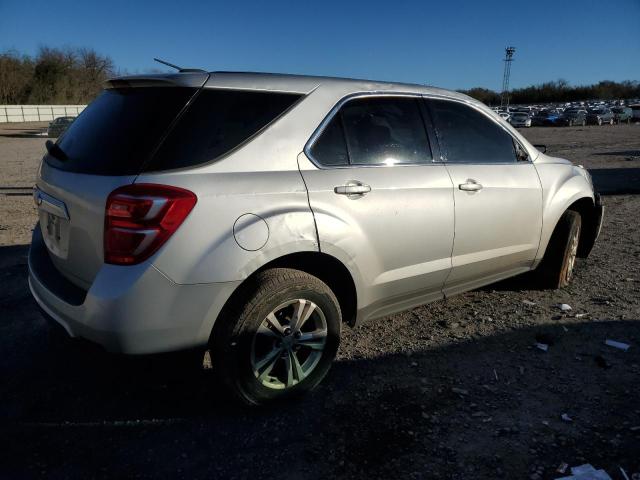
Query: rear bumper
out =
(133, 309)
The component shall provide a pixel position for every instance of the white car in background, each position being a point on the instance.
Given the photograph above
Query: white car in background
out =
(520, 119)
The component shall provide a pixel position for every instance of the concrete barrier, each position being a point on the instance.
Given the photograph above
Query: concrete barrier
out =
(37, 113)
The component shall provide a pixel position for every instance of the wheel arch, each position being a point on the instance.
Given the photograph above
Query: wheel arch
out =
(324, 266)
(586, 208)
(590, 215)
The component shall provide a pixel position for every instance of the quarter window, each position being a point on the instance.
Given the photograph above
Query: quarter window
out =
(468, 136)
(374, 131)
(331, 148)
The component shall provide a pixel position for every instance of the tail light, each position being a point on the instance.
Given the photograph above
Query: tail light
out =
(139, 218)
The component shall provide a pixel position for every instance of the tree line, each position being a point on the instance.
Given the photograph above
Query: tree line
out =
(53, 76)
(559, 92)
(76, 76)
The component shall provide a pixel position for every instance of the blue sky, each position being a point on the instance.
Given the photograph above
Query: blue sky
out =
(453, 44)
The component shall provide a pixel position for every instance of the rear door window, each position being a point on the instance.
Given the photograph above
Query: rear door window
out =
(119, 130)
(468, 136)
(217, 122)
(383, 130)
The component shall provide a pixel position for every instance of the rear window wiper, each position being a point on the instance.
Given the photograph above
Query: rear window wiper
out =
(55, 151)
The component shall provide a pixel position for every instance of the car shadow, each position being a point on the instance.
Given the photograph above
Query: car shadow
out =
(480, 402)
(25, 134)
(616, 181)
(621, 153)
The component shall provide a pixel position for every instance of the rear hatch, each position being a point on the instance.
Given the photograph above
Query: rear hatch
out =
(138, 125)
(105, 148)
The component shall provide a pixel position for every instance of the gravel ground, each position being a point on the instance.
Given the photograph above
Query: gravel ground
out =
(454, 389)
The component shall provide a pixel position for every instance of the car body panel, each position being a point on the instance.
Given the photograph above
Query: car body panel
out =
(84, 197)
(134, 309)
(562, 185)
(498, 227)
(279, 198)
(399, 235)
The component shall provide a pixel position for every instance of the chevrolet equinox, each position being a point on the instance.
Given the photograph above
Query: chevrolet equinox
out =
(254, 214)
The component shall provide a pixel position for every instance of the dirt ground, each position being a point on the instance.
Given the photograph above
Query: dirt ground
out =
(455, 389)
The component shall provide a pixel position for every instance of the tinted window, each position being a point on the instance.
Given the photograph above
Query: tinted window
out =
(118, 131)
(468, 136)
(385, 131)
(216, 122)
(330, 148)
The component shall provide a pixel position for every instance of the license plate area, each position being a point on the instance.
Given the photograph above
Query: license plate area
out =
(55, 232)
(54, 223)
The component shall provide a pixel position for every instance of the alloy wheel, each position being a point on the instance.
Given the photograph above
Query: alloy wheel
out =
(289, 344)
(572, 254)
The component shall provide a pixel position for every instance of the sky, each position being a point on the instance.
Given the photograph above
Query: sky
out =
(452, 44)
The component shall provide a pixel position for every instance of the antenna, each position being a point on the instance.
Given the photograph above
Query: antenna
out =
(508, 58)
(167, 64)
(180, 69)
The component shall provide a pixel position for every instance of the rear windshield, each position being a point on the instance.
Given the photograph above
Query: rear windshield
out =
(118, 131)
(217, 122)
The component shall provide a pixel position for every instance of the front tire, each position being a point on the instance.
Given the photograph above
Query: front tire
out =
(279, 336)
(557, 266)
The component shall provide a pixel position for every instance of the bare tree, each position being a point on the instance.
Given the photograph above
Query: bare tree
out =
(70, 75)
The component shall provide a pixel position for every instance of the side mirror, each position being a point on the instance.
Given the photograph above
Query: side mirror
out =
(542, 148)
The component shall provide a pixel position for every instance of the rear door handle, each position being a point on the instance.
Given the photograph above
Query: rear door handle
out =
(470, 186)
(352, 188)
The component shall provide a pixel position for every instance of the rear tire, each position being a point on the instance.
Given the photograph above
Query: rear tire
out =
(259, 350)
(557, 266)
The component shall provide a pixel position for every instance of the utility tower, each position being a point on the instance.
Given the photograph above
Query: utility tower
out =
(508, 58)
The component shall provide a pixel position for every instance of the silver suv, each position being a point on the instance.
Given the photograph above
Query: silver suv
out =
(254, 214)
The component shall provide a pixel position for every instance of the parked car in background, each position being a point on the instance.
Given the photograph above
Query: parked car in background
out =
(600, 116)
(256, 214)
(572, 116)
(635, 109)
(545, 118)
(505, 115)
(622, 114)
(520, 119)
(58, 126)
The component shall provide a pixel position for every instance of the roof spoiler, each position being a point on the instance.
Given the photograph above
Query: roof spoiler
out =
(193, 79)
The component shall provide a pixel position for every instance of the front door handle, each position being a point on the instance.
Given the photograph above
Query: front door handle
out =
(352, 188)
(470, 186)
